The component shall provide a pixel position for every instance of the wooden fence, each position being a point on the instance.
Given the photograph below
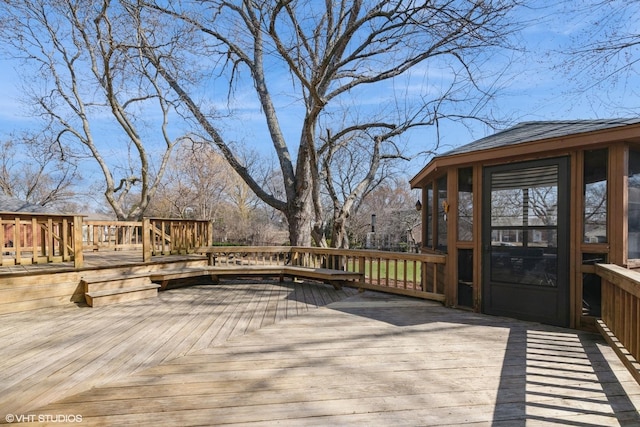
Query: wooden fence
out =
(162, 236)
(40, 238)
(620, 323)
(111, 235)
(29, 238)
(420, 275)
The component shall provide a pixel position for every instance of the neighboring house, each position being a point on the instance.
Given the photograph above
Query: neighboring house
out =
(524, 215)
(13, 205)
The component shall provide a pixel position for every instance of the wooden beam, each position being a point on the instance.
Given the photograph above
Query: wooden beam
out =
(477, 239)
(78, 255)
(147, 240)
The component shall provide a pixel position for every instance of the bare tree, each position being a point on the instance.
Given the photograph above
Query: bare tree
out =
(92, 86)
(195, 184)
(393, 205)
(33, 169)
(324, 58)
(350, 171)
(200, 184)
(606, 51)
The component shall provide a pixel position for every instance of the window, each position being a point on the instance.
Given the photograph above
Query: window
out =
(465, 277)
(592, 286)
(443, 212)
(595, 196)
(465, 204)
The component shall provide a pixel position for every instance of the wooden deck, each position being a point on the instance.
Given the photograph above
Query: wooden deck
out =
(263, 352)
(92, 260)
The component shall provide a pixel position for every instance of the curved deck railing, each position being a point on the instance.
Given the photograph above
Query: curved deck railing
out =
(166, 236)
(42, 238)
(420, 275)
(620, 323)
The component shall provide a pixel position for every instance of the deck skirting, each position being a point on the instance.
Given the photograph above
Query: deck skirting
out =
(47, 285)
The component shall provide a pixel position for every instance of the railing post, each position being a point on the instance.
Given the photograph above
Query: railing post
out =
(146, 240)
(78, 257)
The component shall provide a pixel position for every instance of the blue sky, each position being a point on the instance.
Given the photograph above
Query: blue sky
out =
(535, 87)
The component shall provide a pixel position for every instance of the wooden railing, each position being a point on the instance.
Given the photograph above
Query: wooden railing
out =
(162, 236)
(29, 238)
(620, 323)
(111, 235)
(420, 275)
(40, 238)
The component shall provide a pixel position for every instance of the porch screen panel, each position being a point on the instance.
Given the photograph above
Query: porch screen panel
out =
(633, 214)
(595, 196)
(465, 204)
(524, 222)
(442, 211)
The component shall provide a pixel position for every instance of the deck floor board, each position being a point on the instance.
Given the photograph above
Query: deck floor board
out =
(262, 352)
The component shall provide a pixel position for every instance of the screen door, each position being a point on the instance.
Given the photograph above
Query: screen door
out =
(525, 241)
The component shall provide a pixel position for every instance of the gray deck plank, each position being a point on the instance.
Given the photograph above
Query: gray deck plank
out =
(365, 359)
(72, 349)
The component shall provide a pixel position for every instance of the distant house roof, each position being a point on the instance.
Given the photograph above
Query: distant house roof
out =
(12, 204)
(533, 138)
(535, 131)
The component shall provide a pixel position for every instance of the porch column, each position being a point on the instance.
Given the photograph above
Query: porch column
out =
(146, 240)
(78, 257)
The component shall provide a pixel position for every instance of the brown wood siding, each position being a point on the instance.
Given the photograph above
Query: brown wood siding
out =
(451, 292)
(575, 236)
(617, 205)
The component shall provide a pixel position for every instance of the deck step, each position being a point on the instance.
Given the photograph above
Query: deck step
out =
(106, 290)
(163, 277)
(103, 282)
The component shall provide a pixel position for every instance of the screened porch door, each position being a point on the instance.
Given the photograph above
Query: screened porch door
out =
(525, 241)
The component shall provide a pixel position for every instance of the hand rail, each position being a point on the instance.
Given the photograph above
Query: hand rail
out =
(620, 323)
(165, 236)
(112, 235)
(420, 275)
(31, 238)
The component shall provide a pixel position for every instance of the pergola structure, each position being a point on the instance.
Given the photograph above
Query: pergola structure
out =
(527, 214)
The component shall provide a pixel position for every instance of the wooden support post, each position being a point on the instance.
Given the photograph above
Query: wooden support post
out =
(209, 236)
(147, 240)
(17, 240)
(78, 258)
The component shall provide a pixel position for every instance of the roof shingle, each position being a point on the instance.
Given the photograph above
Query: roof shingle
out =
(535, 131)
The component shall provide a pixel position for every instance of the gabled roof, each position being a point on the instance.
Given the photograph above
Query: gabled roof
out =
(12, 204)
(537, 137)
(535, 131)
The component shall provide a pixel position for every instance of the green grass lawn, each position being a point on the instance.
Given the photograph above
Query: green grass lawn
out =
(395, 271)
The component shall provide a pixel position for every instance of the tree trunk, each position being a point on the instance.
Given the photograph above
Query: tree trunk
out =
(300, 219)
(339, 238)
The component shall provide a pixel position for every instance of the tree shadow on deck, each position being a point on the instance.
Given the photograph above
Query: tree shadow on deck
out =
(371, 359)
(549, 374)
(561, 377)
